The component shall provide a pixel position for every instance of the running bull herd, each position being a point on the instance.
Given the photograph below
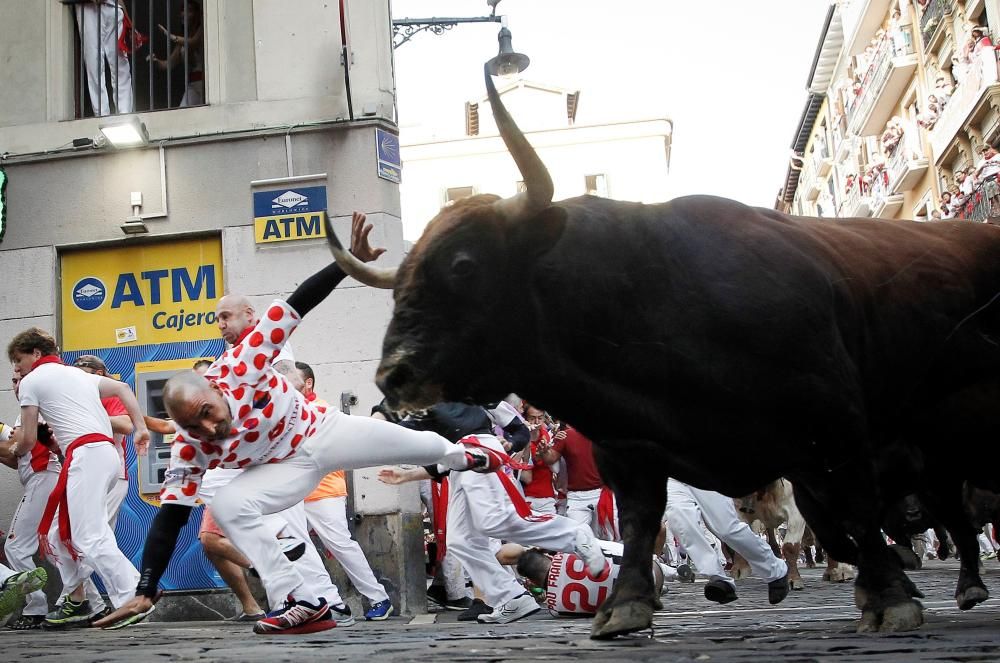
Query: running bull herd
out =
(858, 358)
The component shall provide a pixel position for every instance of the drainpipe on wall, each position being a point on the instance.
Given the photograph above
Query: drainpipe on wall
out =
(345, 57)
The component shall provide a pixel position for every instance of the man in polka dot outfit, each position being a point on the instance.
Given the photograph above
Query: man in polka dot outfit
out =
(245, 414)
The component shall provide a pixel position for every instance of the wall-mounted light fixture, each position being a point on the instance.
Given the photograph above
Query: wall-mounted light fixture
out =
(125, 131)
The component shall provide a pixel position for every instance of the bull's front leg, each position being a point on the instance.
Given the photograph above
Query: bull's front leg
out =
(641, 498)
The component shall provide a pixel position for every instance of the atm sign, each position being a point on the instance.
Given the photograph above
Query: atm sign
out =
(281, 215)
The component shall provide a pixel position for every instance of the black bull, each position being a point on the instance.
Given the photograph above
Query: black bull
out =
(683, 334)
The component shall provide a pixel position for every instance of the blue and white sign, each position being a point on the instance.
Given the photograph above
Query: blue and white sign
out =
(89, 293)
(281, 215)
(390, 165)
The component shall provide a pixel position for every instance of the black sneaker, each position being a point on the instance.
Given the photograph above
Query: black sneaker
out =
(70, 612)
(342, 615)
(477, 608)
(438, 595)
(777, 590)
(720, 591)
(685, 573)
(27, 623)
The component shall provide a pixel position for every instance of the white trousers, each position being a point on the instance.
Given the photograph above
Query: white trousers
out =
(581, 506)
(5, 573)
(100, 26)
(542, 504)
(92, 475)
(328, 518)
(685, 503)
(479, 508)
(22, 541)
(341, 442)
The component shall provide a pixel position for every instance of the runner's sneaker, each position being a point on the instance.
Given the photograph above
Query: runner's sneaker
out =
(685, 573)
(590, 552)
(291, 548)
(27, 623)
(512, 610)
(296, 617)
(437, 594)
(379, 611)
(477, 608)
(17, 586)
(130, 620)
(70, 612)
(342, 615)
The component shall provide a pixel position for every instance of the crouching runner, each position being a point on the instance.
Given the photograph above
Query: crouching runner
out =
(244, 414)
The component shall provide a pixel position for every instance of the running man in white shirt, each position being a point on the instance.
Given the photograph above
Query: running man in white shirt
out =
(80, 541)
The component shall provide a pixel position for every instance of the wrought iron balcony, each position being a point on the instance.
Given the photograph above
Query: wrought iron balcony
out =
(932, 19)
(907, 163)
(888, 75)
(856, 203)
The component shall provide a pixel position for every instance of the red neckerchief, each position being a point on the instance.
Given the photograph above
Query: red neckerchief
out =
(311, 397)
(246, 332)
(47, 359)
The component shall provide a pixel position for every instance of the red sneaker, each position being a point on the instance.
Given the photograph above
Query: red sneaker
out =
(296, 617)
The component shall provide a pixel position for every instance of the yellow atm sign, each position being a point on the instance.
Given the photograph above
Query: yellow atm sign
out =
(156, 293)
(289, 214)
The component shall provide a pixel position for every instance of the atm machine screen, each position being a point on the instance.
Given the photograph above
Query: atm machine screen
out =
(152, 468)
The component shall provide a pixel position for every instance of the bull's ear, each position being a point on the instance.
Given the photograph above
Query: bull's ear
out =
(537, 235)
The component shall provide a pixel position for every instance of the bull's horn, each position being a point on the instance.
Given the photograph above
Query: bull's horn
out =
(537, 182)
(373, 276)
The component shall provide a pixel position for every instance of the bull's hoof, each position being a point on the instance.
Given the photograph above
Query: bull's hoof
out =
(970, 597)
(906, 616)
(626, 617)
(840, 573)
(796, 583)
(909, 560)
(740, 570)
(869, 622)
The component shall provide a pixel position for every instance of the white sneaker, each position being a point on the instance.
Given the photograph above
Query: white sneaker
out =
(590, 552)
(512, 610)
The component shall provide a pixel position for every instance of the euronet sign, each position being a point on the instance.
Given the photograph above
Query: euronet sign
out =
(158, 293)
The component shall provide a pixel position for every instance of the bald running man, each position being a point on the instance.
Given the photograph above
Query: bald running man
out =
(244, 414)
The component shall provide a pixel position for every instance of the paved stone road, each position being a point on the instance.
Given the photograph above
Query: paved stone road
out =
(814, 624)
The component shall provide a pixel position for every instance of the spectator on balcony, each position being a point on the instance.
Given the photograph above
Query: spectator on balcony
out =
(189, 43)
(896, 33)
(931, 113)
(958, 69)
(947, 211)
(943, 90)
(986, 176)
(935, 215)
(101, 24)
(892, 135)
(850, 182)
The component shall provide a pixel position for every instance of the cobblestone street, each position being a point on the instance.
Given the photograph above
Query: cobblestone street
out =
(813, 624)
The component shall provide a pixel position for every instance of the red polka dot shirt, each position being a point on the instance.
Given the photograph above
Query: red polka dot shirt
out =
(270, 418)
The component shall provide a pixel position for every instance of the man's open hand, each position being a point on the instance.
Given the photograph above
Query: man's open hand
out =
(360, 246)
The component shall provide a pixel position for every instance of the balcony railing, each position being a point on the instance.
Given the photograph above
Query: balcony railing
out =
(981, 74)
(907, 163)
(856, 203)
(932, 18)
(821, 160)
(148, 52)
(977, 208)
(874, 84)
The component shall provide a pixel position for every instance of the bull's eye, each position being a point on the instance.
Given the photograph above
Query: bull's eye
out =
(463, 266)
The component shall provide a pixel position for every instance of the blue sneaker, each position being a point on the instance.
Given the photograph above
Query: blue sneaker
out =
(379, 611)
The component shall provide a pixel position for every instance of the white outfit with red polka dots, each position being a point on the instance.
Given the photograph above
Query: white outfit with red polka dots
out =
(286, 446)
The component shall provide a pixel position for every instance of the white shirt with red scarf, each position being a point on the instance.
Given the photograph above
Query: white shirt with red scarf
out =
(271, 419)
(68, 398)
